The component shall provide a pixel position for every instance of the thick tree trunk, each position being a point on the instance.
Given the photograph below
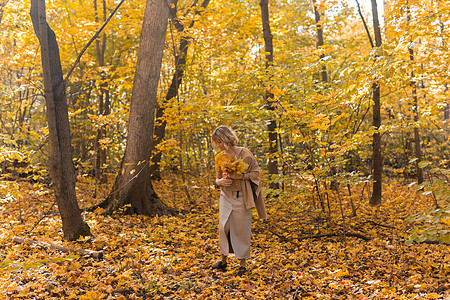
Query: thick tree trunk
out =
(61, 164)
(180, 63)
(133, 185)
(272, 124)
(377, 158)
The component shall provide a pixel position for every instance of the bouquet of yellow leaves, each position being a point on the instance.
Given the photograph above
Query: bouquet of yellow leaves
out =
(230, 164)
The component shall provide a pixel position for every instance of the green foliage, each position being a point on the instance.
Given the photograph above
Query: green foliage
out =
(433, 224)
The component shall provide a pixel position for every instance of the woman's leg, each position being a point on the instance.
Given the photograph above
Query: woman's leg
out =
(242, 262)
(240, 233)
(224, 229)
(224, 259)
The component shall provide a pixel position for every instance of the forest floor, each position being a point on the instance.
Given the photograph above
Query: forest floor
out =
(170, 257)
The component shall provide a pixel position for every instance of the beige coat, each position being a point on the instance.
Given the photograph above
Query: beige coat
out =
(235, 209)
(251, 184)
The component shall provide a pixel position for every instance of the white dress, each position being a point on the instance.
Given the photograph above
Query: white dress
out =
(235, 222)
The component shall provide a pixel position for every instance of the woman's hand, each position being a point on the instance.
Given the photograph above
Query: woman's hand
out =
(235, 176)
(225, 181)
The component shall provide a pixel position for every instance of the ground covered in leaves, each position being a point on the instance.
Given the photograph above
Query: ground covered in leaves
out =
(170, 257)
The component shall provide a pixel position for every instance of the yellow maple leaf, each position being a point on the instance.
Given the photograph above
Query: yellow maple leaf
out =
(230, 164)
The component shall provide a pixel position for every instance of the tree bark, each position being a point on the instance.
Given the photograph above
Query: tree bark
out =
(446, 107)
(320, 42)
(272, 124)
(103, 105)
(417, 149)
(61, 165)
(180, 63)
(133, 185)
(324, 78)
(447, 104)
(2, 5)
(377, 158)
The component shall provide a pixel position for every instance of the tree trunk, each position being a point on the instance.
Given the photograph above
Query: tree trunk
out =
(377, 159)
(446, 107)
(180, 63)
(133, 185)
(61, 164)
(447, 104)
(103, 107)
(324, 78)
(2, 5)
(320, 43)
(272, 124)
(417, 149)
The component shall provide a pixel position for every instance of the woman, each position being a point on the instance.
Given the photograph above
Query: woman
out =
(239, 194)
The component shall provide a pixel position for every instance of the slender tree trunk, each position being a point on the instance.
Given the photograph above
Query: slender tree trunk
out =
(61, 164)
(133, 185)
(320, 42)
(446, 107)
(180, 64)
(377, 159)
(103, 107)
(417, 149)
(406, 159)
(272, 124)
(324, 78)
(447, 104)
(2, 5)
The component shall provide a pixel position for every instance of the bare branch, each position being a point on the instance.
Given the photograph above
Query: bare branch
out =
(365, 24)
(92, 40)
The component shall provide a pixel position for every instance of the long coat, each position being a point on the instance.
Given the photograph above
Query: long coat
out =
(236, 203)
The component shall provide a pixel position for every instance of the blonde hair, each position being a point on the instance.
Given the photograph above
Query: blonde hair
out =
(224, 134)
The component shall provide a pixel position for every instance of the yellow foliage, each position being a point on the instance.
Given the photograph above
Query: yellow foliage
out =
(170, 257)
(230, 164)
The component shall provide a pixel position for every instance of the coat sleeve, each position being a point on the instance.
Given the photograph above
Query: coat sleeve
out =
(253, 184)
(253, 171)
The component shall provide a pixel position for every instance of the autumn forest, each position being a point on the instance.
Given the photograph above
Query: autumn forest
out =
(107, 170)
